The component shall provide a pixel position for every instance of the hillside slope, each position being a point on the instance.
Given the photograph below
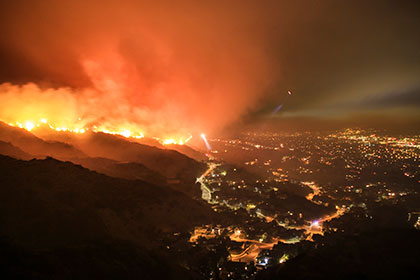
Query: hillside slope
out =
(49, 201)
(35, 146)
(60, 220)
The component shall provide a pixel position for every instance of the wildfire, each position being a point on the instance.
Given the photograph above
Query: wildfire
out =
(30, 125)
(122, 132)
(170, 141)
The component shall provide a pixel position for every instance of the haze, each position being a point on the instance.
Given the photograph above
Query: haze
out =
(180, 68)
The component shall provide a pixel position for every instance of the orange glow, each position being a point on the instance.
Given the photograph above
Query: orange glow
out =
(126, 133)
(170, 141)
(73, 128)
(64, 110)
(154, 70)
(29, 125)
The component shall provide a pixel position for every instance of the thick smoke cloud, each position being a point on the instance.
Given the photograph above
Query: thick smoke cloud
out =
(180, 67)
(173, 67)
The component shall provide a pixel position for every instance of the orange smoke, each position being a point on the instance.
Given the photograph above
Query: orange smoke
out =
(166, 71)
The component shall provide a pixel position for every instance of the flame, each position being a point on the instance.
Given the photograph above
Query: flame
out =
(30, 125)
(65, 110)
(170, 141)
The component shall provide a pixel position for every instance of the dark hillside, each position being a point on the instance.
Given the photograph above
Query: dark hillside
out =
(62, 221)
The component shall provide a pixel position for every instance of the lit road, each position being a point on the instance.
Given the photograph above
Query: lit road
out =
(316, 226)
(316, 190)
(206, 192)
(251, 252)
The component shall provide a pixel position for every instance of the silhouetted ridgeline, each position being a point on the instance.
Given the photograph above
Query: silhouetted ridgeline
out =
(8, 149)
(35, 146)
(111, 155)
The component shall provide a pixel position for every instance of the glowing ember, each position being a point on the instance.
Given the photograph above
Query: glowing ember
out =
(171, 141)
(29, 125)
(126, 133)
(168, 142)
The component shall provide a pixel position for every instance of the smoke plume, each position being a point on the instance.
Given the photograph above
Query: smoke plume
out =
(172, 67)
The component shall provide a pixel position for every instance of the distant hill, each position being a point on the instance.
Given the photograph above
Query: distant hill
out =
(8, 149)
(183, 149)
(46, 133)
(188, 151)
(108, 154)
(167, 162)
(127, 170)
(150, 142)
(35, 146)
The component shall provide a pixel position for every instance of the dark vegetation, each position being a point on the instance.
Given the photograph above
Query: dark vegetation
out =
(62, 221)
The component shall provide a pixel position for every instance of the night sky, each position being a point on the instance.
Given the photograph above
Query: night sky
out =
(198, 65)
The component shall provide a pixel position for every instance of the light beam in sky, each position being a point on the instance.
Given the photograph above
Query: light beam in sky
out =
(205, 141)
